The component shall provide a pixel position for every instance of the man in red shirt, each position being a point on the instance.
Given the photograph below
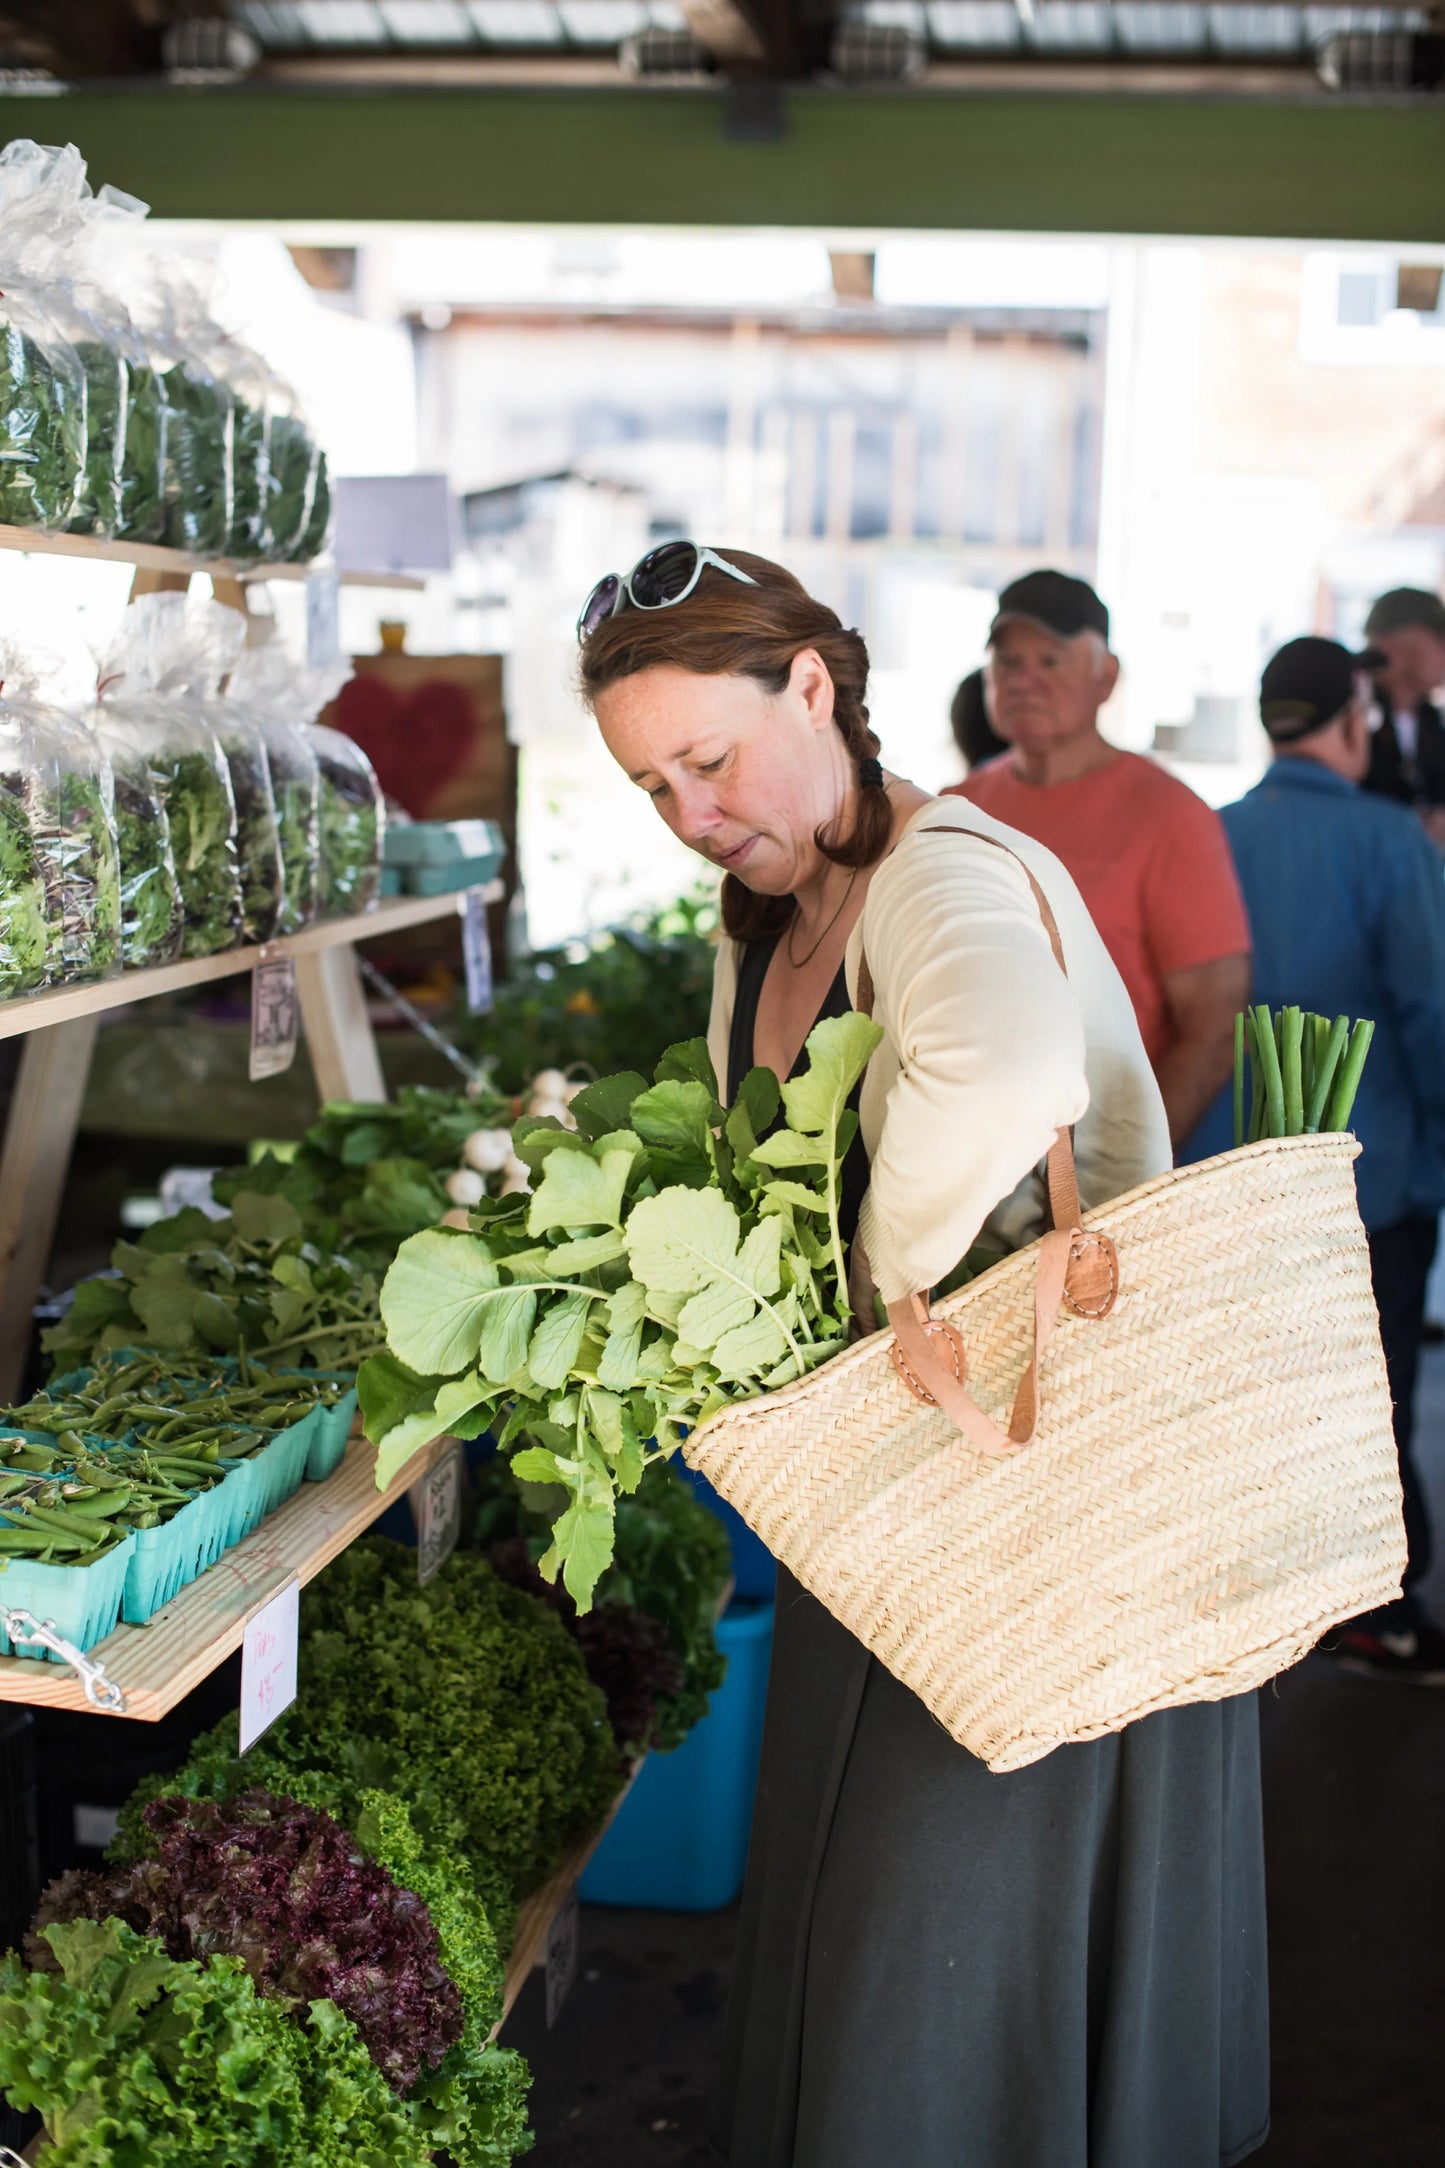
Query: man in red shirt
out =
(1150, 858)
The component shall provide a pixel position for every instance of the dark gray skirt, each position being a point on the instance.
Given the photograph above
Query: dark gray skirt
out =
(1059, 1968)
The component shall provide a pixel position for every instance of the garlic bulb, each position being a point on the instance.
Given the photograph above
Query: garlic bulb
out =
(488, 1150)
(465, 1187)
(552, 1110)
(548, 1084)
(516, 1178)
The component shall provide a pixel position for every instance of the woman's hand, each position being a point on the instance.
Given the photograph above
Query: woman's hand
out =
(861, 1292)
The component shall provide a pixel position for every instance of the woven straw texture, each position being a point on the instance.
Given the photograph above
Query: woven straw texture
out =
(1213, 1484)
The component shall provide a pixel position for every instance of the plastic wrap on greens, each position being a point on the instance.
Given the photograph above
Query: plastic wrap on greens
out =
(107, 396)
(351, 821)
(258, 841)
(42, 430)
(83, 875)
(152, 920)
(291, 484)
(143, 467)
(200, 439)
(24, 924)
(318, 524)
(196, 787)
(250, 471)
(298, 820)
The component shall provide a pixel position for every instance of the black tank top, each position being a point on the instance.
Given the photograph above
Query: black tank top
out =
(753, 960)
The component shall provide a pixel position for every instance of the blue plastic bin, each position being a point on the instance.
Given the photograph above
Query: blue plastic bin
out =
(755, 1570)
(680, 1842)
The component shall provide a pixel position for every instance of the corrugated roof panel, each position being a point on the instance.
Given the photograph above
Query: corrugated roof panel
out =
(1162, 28)
(602, 22)
(342, 22)
(515, 22)
(427, 22)
(982, 25)
(1257, 30)
(1074, 26)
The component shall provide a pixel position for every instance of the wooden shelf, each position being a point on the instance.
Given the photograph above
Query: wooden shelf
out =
(158, 1664)
(536, 1913)
(33, 1012)
(155, 557)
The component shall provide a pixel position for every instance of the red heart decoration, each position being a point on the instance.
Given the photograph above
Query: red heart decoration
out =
(416, 742)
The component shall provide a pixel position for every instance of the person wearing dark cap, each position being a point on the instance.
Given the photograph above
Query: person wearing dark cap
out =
(1148, 856)
(1406, 627)
(1347, 908)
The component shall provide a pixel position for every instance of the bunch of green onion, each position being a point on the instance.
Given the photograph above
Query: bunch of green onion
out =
(1304, 1072)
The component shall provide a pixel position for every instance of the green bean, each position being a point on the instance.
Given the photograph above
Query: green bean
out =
(1291, 1066)
(68, 1524)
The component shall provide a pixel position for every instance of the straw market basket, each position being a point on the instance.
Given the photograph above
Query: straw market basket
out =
(1205, 1482)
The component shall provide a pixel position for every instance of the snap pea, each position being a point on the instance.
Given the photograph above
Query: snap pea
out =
(68, 1524)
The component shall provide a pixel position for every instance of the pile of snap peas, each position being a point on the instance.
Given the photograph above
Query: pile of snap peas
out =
(135, 1440)
(68, 1504)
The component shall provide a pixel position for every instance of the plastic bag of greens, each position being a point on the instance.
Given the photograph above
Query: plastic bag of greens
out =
(159, 684)
(292, 465)
(126, 404)
(353, 824)
(59, 872)
(281, 697)
(42, 381)
(181, 340)
(152, 919)
(253, 390)
(318, 525)
(258, 837)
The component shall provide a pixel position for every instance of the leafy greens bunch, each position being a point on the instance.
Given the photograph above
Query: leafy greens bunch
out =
(136, 2060)
(200, 455)
(318, 519)
(251, 1284)
(671, 1258)
(107, 393)
(152, 918)
(352, 824)
(258, 835)
(24, 909)
(42, 429)
(311, 1916)
(671, 1565)
(291, 482)
(143, 465)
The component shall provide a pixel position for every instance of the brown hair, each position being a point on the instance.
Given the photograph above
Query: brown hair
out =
(725, 629)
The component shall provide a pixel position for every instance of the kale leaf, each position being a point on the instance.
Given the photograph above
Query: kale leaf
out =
(107, 394)
(143, 466)
(200, 450)
(42, 431)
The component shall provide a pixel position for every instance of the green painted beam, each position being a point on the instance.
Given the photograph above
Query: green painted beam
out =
(1309, 168)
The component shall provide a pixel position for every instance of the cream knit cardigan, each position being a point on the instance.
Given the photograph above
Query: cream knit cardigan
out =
(987, 1049)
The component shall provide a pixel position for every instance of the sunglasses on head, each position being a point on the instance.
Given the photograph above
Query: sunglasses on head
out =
(664, 576)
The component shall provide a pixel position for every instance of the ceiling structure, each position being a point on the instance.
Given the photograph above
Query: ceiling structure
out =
(454, 42)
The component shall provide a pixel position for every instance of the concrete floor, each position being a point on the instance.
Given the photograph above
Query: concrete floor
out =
(1355, 1833)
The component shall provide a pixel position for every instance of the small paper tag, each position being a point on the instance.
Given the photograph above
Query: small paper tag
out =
(436, 1502)
(477, 952)
(275, 1017)
(268, 1662)
(561, 1955)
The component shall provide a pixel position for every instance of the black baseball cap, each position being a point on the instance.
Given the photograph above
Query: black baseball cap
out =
(1307, 684)
(1404, 606)
(1055, 600)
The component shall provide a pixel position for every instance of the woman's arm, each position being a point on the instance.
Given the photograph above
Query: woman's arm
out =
(990, 1041)
(720, 1019)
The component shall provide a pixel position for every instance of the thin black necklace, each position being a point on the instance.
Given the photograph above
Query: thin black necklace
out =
(800, 963)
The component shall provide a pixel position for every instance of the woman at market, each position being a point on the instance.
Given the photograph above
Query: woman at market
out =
(1062, 1967)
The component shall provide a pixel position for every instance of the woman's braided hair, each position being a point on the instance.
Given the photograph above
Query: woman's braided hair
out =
(725, 629)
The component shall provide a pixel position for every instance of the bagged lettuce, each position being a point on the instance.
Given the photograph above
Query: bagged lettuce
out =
(281, 697)
(59, 869)
(43, 439)
(353, 824)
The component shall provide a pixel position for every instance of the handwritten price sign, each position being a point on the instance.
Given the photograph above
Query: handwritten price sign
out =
(268, 1663)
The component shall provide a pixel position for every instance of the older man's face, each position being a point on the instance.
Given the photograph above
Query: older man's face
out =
(1043, 690)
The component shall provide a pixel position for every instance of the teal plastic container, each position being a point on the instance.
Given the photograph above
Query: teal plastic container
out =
(444, 843)
(81, 1602)
(451, 880)
(680, 1840)
(330, 1437)
(165, 1560)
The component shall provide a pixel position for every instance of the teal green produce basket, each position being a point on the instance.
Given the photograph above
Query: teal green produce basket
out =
(165, 1560)
(680, 1840)
(81, 1602)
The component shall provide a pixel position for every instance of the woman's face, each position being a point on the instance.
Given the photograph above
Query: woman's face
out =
(745, 777)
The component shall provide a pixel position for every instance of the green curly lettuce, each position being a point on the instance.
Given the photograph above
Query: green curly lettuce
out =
(107, 393)
(42, 432)
(298, 827)
(83, 881)
(200, 451)
(137, 2060)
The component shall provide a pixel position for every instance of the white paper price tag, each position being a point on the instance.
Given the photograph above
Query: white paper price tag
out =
(275, 1017)
(561, 1956)
(268, 1662)
(476, 952)
(436, 1504)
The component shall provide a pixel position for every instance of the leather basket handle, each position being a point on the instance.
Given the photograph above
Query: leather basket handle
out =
(1076, 1268)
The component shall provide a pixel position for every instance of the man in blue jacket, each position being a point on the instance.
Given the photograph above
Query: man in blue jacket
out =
(1346, 901)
